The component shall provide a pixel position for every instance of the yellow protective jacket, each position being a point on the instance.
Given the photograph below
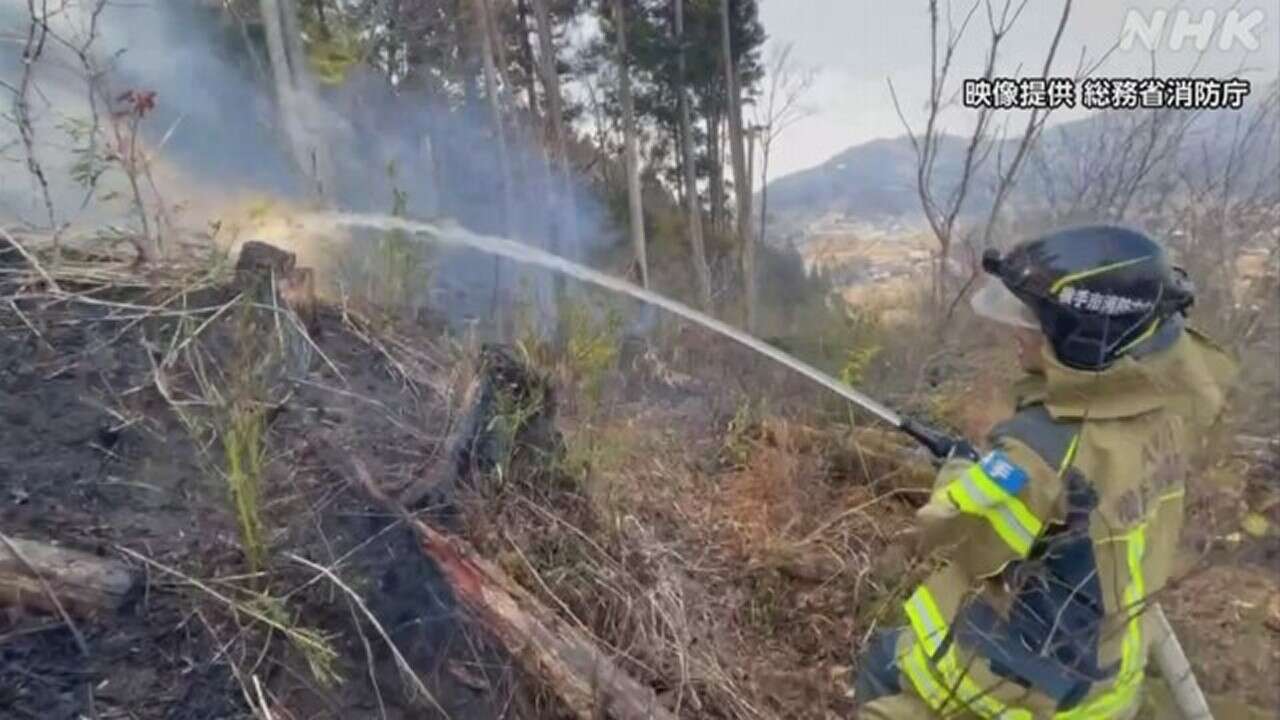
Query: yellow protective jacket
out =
(1052, 545)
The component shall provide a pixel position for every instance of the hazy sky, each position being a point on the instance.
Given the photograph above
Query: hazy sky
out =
(858, 44)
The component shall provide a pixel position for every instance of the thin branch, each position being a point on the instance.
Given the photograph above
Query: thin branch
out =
(405, 668)
(1034, 124)
(37, 34)
(35, 264)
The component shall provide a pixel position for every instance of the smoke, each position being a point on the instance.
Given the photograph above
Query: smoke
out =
(216, 118)
(215, 141)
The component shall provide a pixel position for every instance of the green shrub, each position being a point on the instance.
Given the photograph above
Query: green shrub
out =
(592, 329)
(591, 348)
(392, 272)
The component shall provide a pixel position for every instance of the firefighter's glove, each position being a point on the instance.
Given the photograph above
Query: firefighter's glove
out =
(961, 449)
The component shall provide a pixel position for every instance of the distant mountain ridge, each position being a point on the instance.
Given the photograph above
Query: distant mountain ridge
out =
(873, 185)
(872, 181)
(876, 182)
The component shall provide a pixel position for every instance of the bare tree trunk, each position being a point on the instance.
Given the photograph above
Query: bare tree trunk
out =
(325, 32)
(781, 109)
(251, 47)
(430, 155)
(741, 181)
(37, 34)
(694, 206)
(537, 164)
(634, 201)
(302, 80)
(295, 92)
(481, 9)
(283, 80)
(545, 156)
(463, 63)
(564, 207)
(507, 99)
(319, 159)
(554, 102)
(715, 159)
(530, 63)
(765, 145)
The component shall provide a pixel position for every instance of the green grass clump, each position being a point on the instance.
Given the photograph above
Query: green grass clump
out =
(591, 348)
(244, 451)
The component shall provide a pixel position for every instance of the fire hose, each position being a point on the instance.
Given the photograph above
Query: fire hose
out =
(1170, 659)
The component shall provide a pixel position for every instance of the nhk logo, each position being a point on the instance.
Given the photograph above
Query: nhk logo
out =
(1162, 29)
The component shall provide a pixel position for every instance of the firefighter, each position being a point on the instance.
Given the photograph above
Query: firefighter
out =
(1050, 545)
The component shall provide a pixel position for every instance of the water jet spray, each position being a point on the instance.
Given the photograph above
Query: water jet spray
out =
(940, 444)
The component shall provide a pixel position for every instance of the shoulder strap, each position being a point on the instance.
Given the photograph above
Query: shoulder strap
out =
(1053, 440)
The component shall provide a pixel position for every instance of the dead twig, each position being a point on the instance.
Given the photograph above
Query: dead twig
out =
(30, 258)
(309, 642)
(26, 321)
(36, 36)
(406, 669)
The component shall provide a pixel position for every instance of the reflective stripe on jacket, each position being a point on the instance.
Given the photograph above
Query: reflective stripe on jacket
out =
(1050, 547)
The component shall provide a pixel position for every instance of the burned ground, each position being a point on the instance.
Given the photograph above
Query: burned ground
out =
(731, 549)
(93, 456)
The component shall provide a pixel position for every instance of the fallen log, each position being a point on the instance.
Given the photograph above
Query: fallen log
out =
(589, 683)
(40, 576)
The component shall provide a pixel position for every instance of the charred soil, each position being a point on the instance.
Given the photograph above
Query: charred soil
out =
(109, 442)
(731, 549)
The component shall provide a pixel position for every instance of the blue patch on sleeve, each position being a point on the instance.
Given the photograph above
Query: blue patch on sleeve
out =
(1004, 472)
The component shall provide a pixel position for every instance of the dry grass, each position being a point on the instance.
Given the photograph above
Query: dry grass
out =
(740, 559)
(706, 580)
(219, 361)
(315, 647)
(734, 557)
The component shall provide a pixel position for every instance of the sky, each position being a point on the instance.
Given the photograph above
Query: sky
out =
(857, 46)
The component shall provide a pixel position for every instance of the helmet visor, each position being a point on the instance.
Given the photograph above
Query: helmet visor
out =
(996, 302)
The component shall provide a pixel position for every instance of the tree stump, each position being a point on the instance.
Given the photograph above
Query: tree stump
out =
(270, 277)
(258, 257)
(506, 428)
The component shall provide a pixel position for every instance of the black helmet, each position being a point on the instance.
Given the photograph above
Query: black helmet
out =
(1095, 291)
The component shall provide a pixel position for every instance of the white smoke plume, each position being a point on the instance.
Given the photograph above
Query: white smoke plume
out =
(214, 140)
